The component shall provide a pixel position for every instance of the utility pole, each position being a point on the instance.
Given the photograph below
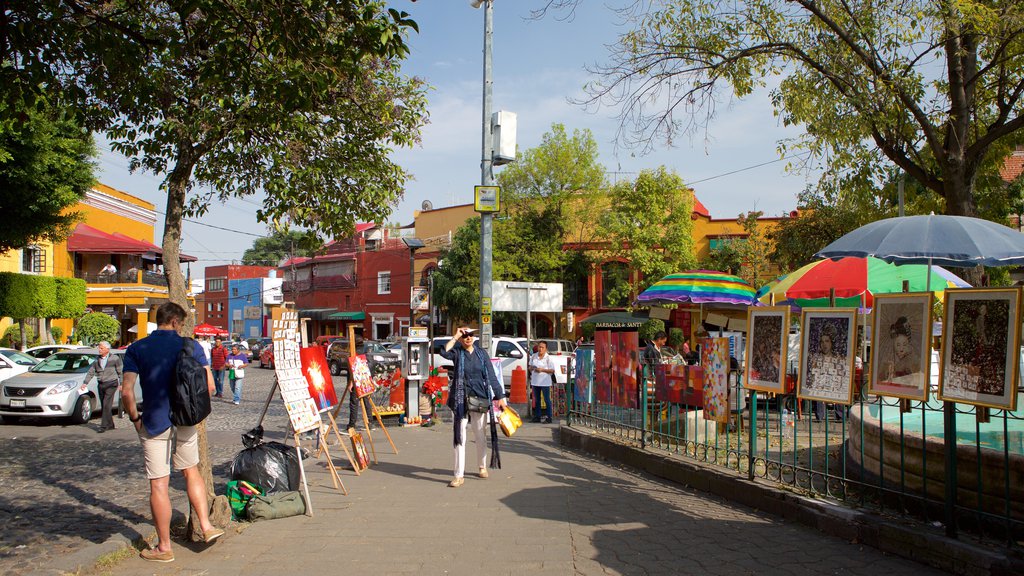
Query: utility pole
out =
(486, 179)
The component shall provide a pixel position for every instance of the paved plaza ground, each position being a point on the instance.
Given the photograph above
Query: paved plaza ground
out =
(547, 511)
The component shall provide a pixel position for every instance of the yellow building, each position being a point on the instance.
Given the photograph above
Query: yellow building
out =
(111, 249)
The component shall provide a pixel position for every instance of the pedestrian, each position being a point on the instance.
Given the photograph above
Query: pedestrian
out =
(652, 353)
(473, 386)
(205, 343)
(108, 372)
(218, 359)
(542, 367)
(152, 360)
(236, 362)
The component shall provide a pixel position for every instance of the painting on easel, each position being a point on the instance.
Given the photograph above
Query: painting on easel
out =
(318, 376)
(362, 459)
(361, 377)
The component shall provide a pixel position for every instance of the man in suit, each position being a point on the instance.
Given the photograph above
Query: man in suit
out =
(107, 370)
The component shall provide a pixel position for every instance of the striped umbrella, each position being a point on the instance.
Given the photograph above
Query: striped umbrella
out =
(699, 287)
(853, 278)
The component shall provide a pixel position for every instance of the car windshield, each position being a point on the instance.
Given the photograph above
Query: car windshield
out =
(66, 363)
(19, 358)
(375, 347)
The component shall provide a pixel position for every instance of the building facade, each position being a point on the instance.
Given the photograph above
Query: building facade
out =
(218, 292)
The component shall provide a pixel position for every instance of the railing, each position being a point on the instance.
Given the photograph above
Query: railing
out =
(880, 454)
(319, 282)
(127, 277)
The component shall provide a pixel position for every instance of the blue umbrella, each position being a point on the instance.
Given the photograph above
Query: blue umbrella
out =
(957, 241)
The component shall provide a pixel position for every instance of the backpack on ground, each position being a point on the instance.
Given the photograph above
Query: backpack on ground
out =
(190, 393)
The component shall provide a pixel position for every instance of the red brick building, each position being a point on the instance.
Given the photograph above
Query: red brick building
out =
(216, 294)
(361, 281)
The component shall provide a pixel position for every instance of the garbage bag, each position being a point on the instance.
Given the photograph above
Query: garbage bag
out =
(280, 505)
(272, 466)
(253, 437)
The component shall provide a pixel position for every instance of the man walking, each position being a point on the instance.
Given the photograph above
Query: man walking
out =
(153, 359)
(218, 358)
(107, 370)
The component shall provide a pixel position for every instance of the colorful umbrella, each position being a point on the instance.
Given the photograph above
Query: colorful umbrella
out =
(852, 278)
(209, 330)
(699, 287)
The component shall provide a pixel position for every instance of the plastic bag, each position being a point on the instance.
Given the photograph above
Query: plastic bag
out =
(272, 466)
(280, 505)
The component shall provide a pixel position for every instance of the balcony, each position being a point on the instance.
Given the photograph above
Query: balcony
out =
(341, 281)
(139, 277)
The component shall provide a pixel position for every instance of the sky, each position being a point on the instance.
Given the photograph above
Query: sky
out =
(538, 67)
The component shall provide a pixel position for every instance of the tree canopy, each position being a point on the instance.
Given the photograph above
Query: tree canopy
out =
(45, 168)
(935, 87)
(280, 245)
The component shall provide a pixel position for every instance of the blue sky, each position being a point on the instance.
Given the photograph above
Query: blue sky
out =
(538, 67)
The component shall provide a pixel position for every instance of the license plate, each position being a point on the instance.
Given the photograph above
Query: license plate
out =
(17, 403)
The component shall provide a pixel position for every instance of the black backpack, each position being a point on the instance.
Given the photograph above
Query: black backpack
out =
(190, 394)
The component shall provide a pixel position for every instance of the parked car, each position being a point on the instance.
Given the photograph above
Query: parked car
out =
(13, 362)
(40, 352)
(511, 351)
(326, 340)
(257, 345)
(557, 347)
(55, 388)
(267, 356)
(243, 347)
(379, 358)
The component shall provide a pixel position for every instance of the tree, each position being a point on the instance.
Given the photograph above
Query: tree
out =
(725, 257)
(280, 245)
(754, 250)
(25, 296)
(45, 169)
(69, 302)
(931, 86)
(649, 225)
(96, 327)
(457, 282)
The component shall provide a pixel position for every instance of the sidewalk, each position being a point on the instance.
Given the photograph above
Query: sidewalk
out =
(547, 511)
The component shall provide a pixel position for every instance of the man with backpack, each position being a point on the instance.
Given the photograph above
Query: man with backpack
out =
(153, 361)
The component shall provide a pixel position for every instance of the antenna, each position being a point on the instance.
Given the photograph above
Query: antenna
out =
(426, 205)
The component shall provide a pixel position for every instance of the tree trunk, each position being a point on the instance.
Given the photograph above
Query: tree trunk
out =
(24, 336)
(177, 187)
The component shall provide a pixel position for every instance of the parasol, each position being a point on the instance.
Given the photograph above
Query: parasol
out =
(698, 287)
(209, 330)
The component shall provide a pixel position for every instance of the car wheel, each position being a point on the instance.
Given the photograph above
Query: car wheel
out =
(83, 410)
(335, 369)
(12, 419)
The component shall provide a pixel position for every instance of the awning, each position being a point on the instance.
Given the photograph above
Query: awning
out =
(86, 239)
(347, 316)
(316, 313)
(617, 319)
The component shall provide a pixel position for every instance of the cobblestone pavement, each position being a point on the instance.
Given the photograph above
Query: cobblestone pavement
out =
(64, 487)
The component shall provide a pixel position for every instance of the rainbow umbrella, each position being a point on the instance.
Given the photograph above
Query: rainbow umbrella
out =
(699, 287)
(853, 278)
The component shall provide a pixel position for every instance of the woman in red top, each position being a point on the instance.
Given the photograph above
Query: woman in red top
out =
(218, 357)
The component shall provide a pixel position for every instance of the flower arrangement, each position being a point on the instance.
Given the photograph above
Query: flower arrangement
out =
(434, 388)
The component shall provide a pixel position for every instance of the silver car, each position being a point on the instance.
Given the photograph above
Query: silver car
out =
(55, 388)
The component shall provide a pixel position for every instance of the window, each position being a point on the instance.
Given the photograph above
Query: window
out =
(209, 306)
(33, 259)
(384, 282)
(220, 306)
(215, 284)
(503, 349)
(234, 291)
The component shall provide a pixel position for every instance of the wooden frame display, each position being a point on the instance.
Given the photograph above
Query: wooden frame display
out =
(980, 347)
(901, 360)
(827, 352)
(766, 349)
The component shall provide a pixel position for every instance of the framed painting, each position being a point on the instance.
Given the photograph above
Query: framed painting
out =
(359, 372)
(584, 375)
(901, 358)
(766, 347)
(318, 377)
(981, 347)
(714, 358)
(827, 354)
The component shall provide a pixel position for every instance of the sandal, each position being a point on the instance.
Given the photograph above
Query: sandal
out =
(456, 482)
(483, 473)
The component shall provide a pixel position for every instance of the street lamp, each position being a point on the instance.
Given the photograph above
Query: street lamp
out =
(413, 244)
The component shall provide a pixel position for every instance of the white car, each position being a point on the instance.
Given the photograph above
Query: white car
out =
(13, 362)
(45, 350)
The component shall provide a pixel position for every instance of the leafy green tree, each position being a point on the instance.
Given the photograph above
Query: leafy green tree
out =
(649, 328)
(754, 250)
(649, 225)
(457, 281)
(24, 296)
(280, 245)
(726, 257)
(96, 327)
(931, 86)
(45, 169)
(824, 217)
(69, 302)
(557, 169)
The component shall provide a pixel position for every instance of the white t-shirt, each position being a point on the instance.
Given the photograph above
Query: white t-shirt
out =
(206, 348)
(541, 379)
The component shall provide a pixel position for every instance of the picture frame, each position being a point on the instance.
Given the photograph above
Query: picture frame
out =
(901, 358)
(767, 348)
(828, 340)
(981, 347)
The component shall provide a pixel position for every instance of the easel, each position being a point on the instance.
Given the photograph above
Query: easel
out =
(350, 388)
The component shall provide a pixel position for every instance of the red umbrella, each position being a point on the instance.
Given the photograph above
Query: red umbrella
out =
(209, 330)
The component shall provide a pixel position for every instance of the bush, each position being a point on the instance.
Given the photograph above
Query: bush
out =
(650, 328)
(12, 336)
(58, 334)
(675, 337)
(587, 332)
(95, 327)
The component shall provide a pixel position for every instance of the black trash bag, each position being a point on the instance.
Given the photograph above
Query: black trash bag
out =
(272, 466)
(253, 437)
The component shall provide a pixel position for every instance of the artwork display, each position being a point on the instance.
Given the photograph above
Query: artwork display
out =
(766, 348)
(603, 366)
(901, 361)
(828, 346)
(359, 370)
(615, 368)
(714, 358)
(584, 377)
(980, 344)
(362, 459)
(670, 381)
(318, 377)
(303, 413)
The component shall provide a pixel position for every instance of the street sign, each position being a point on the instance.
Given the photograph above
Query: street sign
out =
(485, 318)
(487, 198)
(485, 306)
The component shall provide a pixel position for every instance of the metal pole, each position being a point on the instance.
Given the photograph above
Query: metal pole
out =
(430, 322)
(486, 179)
(412, 285)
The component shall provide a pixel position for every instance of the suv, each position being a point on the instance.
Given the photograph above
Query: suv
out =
(378, 357)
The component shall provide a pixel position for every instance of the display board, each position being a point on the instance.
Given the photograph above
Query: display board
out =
(302, 410)
(615, 368)
(827, 354)
(766, 348)
(714, 359)
(584, 377)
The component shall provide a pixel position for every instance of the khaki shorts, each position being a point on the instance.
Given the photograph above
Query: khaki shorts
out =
(182, 445)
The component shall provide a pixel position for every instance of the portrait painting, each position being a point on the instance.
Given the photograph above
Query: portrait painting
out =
(766, 348)
(901, 355)
(980, 347)
(827, 352)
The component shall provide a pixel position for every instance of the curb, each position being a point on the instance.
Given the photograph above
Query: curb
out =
(87, 557)
(913, 542)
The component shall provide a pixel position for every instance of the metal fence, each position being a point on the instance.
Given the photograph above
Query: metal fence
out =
(879, 454)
